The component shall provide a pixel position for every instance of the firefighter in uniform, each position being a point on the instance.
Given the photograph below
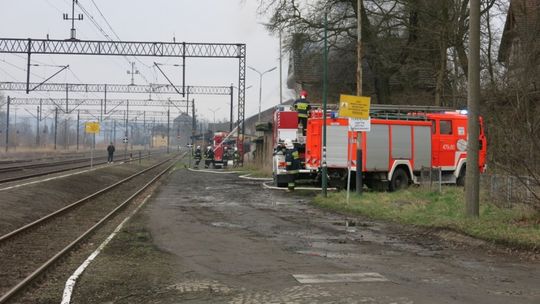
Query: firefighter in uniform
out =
(302, 106)
(209, 157)
(292, 159)
(197, 156)
(236, 158)
(225, 157)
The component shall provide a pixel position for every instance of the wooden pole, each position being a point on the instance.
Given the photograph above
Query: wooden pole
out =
(472, 173)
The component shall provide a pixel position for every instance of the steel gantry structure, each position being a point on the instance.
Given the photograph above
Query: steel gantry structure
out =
(123, 88)
(117, 88)
(137, 48)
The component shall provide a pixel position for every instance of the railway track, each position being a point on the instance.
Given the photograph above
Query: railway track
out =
(28, 252)
(25, 171)
(42, 157)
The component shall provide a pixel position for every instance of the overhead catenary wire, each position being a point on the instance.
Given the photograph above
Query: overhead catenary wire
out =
(21, 69)
(102, 32)
(7, 73)
(107, 36)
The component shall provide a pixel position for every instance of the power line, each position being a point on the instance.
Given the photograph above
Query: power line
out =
(106, 21)
(116, 35)
(7, 73)
(54, 6)
(19, 68)
(107, 36)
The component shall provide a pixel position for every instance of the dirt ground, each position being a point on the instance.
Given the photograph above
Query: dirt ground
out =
(23, 205)
(216, 238)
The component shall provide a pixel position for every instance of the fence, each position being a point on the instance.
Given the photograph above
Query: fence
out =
(431, 179)
(507, 190)
(503, 190)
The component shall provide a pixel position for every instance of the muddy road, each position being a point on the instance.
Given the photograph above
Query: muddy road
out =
(216, 238)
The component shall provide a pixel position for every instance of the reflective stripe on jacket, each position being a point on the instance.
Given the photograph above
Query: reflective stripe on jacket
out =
(302, 108)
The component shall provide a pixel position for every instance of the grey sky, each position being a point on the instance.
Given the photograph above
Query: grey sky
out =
(229, 21)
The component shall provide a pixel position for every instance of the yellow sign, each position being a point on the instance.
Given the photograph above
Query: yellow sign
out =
(92, 127)
(354, 106)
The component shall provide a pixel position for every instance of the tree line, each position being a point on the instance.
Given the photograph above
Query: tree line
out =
(415, 52)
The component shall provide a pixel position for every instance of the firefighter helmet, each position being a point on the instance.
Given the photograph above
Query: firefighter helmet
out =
(303, 94)
(288, 143)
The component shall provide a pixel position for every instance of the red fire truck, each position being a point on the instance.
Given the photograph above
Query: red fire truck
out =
(223, 146)
(402, 142)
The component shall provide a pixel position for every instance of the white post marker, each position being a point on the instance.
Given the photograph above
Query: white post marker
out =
(349, 163)
(355, 126)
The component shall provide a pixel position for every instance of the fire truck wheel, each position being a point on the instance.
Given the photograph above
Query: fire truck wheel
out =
(461, 178)
(400, 180)
(278, 182)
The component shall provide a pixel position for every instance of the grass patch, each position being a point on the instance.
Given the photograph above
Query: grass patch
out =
(516, 227)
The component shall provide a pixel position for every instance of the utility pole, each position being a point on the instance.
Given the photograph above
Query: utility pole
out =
(231, 114)
(66, 144)
(359, 161)
(145, 135)
(16, 135)
(37, 127)
(168, 127)
(152, 132)
(7, 123)
(133, 72)
(40, 118)
(78, 127)
(72, 19)
(280, 71)
(126, 138)
(325, 100)
(193, 124)
(472, 174)
(55, 126)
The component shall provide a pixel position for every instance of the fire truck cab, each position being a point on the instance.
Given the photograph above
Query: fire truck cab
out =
(286, 132)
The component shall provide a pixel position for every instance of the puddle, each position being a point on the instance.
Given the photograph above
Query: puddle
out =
(227, 225)
(334, 255)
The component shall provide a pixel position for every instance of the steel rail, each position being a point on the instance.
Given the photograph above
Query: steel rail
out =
(66, 249)
(77, 203)
(19, 167)
(18, 178)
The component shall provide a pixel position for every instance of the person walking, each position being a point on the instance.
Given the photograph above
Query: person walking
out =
(110, 151)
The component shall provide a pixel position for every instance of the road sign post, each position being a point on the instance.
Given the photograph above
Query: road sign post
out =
(93, 128)
(357, 109)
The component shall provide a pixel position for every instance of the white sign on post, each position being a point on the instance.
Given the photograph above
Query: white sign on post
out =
(359, 125)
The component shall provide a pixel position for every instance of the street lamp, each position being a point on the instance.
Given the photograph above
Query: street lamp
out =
(214, 112)
(260, 85)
